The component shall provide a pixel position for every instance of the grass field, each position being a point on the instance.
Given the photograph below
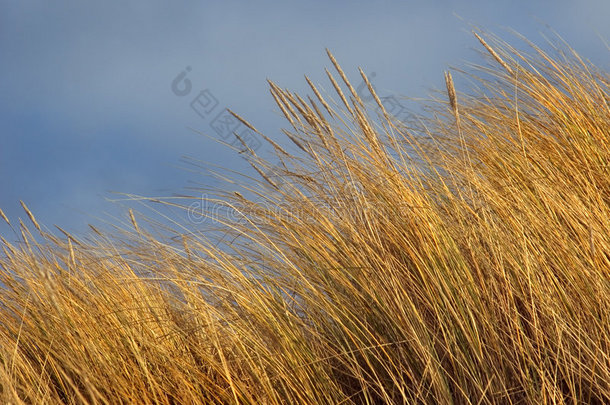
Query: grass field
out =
(461, 258)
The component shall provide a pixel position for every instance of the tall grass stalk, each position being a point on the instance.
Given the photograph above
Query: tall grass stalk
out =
(463, 258)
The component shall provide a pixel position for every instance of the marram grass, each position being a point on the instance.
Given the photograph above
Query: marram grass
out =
(462, 258)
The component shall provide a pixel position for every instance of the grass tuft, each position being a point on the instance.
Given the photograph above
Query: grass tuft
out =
(463, 258)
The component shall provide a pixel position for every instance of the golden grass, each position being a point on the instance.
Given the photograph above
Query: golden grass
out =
(463, 258)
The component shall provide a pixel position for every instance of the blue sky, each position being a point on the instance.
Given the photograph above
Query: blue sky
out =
(86, 100)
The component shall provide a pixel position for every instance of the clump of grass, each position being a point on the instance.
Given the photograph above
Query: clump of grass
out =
(463, 258)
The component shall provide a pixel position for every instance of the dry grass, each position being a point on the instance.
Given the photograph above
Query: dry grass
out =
(464, 258)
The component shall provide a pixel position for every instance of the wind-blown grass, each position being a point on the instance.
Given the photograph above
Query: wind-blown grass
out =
(461, 258)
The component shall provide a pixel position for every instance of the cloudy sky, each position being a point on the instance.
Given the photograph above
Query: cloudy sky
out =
(90, 103)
